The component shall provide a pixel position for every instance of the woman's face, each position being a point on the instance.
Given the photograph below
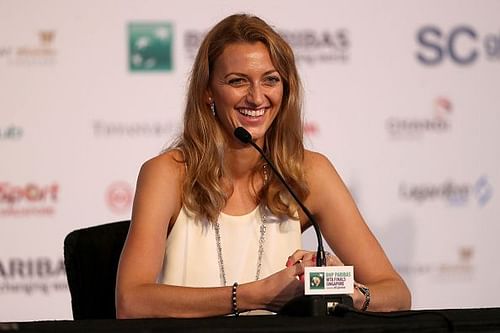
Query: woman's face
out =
(246, 88)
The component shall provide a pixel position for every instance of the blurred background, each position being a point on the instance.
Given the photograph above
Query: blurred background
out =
(402, 96)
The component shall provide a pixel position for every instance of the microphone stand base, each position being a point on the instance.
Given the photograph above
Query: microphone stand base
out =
(317, 305)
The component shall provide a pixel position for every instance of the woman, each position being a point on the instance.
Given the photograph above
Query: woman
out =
(213, 231)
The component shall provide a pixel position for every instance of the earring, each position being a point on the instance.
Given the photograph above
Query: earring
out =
(212, 107)
(266, 176)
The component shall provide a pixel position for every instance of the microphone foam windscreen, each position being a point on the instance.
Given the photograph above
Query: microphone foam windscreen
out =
(243, 135)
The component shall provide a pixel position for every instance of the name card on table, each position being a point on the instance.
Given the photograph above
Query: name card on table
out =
(329, 280)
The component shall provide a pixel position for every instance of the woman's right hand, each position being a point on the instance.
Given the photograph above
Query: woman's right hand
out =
(282, 287)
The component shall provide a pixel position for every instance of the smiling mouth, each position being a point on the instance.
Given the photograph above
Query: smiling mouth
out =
(252, 113)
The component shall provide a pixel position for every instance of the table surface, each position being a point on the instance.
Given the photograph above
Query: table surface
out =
(446, 320)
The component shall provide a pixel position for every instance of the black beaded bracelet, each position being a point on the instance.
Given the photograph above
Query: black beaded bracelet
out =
(235, 300)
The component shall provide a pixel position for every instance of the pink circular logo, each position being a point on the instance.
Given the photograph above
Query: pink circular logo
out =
(119, 197)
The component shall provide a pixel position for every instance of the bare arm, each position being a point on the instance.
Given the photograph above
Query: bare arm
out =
(350, 238)
(156, 205)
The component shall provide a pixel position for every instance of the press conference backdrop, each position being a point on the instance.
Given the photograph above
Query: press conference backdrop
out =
(402, 96)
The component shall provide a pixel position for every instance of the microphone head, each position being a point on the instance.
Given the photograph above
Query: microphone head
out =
(243, 135)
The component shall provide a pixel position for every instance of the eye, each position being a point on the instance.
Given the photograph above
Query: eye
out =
(237, 81)
(272, 80)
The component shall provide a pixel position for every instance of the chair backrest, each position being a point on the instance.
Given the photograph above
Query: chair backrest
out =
(91, 260)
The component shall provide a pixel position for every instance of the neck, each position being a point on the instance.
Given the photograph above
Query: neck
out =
(240, 161)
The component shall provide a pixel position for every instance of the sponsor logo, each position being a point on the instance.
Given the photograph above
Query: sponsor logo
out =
(119, 197)
(461, 268)
(415, 128)
(317, 280)
(29, 199)
(11, 132)
(461, 45)
(41, 53)
(32, 275)
(453, 193)
(104, 129)
(46, 37)
(319, 46)
(309, 46)
(150, 47)
(483, 191)
(311, 128)
(192, 42)
(328, 280)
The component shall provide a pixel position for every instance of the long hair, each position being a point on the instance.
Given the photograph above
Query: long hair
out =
(202, 140)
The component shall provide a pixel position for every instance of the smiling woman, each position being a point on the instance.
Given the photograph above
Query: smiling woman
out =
(245, 89)
(213, 231)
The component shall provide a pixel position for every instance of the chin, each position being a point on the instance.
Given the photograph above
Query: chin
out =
(258, 134)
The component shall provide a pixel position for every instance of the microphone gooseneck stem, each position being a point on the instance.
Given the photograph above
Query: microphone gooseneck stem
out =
(320, 254)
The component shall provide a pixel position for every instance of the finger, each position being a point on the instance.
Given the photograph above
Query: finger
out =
(298, 269)
(309, 262)
(308, 257)
(297, 256)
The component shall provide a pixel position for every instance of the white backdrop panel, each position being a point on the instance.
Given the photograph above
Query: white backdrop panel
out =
(415, 142)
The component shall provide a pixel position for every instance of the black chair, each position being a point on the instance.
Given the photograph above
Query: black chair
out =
(91, 259)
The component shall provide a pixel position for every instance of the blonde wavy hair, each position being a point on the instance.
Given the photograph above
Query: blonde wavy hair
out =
(202, 140)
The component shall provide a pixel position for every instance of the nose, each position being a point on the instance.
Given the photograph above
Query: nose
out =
(255, 95)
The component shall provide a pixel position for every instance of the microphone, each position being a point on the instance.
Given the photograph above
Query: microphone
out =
(307, 305)
(244, 136)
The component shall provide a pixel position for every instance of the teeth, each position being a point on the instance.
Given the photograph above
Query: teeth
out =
(252, 113)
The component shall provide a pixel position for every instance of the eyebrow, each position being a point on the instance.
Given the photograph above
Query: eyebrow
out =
(244, 75)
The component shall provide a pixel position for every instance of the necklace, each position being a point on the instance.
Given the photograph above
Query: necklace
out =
(262, 239)
(260, 252)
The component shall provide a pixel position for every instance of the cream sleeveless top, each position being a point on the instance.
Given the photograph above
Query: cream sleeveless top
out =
(191, 257)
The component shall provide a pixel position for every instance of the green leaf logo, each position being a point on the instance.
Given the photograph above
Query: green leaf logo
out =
(150, 47)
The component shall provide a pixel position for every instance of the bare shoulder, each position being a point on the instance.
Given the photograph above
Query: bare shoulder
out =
(315, 163)
(169, 163)
(159, 187)
(321, 175)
